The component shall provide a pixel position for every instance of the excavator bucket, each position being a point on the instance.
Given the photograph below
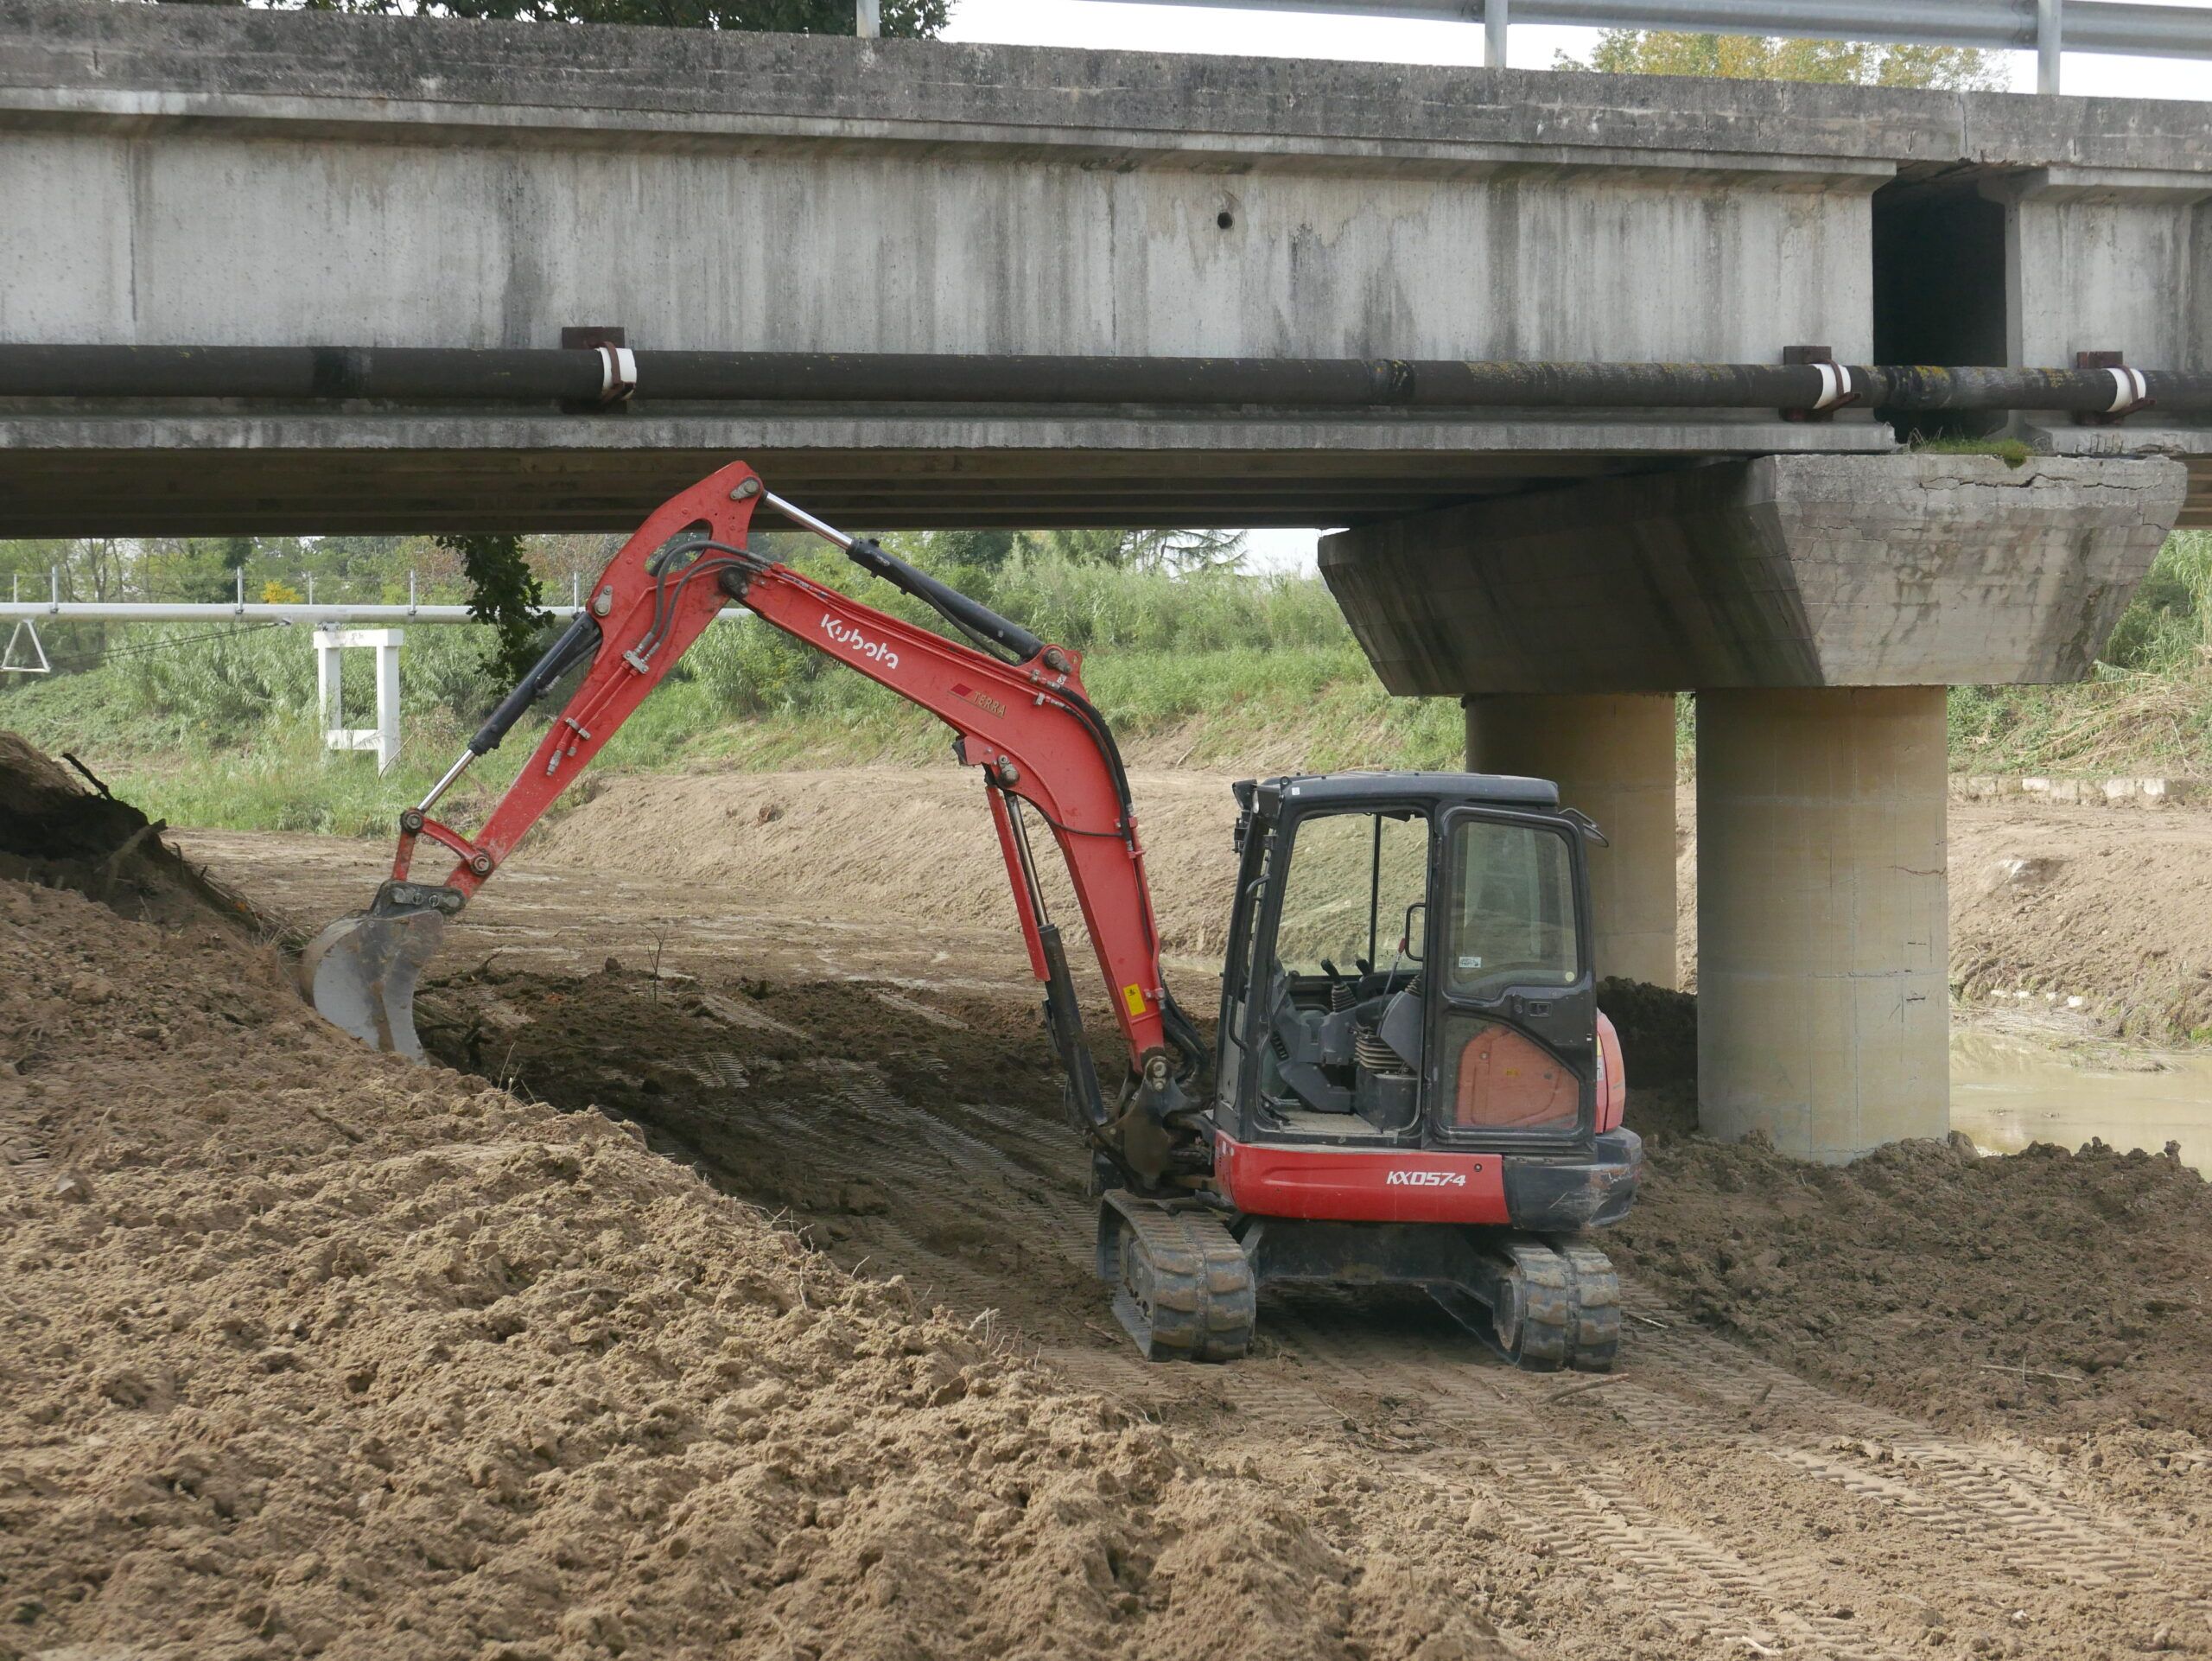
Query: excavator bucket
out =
(360, 974)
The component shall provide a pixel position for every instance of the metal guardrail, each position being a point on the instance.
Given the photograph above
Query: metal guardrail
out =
(2129, 27)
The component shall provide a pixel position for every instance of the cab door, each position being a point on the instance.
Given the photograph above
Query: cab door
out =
(1513, 1045)
(1239, 968)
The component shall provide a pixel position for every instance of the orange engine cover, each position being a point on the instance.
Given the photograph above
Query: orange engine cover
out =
(1508, 1082)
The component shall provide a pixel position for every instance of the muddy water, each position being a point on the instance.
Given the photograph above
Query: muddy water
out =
(2009, 1090)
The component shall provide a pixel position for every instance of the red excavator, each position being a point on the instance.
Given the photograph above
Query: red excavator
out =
(1411, 1083)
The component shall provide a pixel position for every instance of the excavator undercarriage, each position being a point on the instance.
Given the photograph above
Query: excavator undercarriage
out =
(1444, 1114)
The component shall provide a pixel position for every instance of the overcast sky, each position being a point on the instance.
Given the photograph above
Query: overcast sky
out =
(1384, 40)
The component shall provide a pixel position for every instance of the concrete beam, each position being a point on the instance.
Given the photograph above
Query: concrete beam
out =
(1823, 993)
(407, 180)
(1906, 571)
(216, 473)
(148, 68)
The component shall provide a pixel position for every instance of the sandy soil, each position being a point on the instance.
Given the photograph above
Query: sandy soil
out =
(2112, 906)
(309, 1352)
(312, 1351)
(1804, 1449)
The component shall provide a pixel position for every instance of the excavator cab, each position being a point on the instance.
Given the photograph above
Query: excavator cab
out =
(1409, 967)
(1413, 1083)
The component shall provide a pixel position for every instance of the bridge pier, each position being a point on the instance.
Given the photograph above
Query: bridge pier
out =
(1818, 606)
(1822, 937)
(1612, 755)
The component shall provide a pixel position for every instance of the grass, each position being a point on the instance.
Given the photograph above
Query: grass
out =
(2013, 452)
(218, 728)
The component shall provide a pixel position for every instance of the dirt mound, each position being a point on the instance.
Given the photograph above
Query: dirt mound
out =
(2049, 1289)
(911, 842)
(57, 831)
(309, 1351)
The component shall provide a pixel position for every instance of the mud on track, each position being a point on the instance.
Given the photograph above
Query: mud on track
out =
(1708, 1503)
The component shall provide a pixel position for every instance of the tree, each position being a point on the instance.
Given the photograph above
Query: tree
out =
(1752, 57)
(985, 550)
(1143, 550)
(504, 593)
(908, 18)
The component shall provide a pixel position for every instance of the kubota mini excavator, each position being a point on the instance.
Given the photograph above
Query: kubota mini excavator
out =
(1411, 1083)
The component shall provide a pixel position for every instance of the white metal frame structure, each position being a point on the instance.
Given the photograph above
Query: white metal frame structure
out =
(330, 646)
(8, 664)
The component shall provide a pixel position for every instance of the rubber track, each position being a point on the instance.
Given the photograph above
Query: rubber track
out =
(1573, 1317)
(1191, 1297)
(1597, 1308)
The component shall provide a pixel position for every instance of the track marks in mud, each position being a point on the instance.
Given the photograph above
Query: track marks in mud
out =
(1708, 1502)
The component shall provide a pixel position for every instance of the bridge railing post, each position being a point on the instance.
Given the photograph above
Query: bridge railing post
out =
(1495, 22)
(868, 19)
(2048, 31)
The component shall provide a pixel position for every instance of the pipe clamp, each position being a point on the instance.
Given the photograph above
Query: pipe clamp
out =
(618, 373)
(1835, 385)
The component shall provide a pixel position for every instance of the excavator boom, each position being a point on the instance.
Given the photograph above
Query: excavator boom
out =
(1449, 1120)
(1016, 704)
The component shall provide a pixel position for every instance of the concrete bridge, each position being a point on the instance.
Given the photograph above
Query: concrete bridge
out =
(226, 177)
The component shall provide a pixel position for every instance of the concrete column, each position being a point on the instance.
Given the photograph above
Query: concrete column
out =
(1613, 757)
(1823, 983)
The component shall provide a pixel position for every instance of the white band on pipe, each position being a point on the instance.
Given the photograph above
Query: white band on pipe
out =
(1835, 385)
(2129, 389)
(618, 373)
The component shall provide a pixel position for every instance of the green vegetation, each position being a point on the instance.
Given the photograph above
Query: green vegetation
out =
(2148, 709)
(1200, 667)
(2013, 452)
(1194, 665)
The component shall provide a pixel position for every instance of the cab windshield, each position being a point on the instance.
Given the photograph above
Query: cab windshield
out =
(1509, 915)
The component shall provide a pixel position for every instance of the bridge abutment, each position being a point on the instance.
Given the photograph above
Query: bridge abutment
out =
(1818, 606)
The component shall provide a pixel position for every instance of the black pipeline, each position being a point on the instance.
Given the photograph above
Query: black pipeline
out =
(608, 376)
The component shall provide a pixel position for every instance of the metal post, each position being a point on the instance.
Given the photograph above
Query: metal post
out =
(1494, 26)
(2047, 44)
(388, 697)
(330, 686)
(868, 19)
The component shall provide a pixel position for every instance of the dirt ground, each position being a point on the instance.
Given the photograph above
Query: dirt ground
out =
(313, 1351)
(2110, 905)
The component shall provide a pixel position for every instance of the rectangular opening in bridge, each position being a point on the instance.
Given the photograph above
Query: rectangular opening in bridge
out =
(1939, 284)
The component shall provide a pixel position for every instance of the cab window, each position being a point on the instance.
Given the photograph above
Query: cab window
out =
(1353, 878)
(1509, 917)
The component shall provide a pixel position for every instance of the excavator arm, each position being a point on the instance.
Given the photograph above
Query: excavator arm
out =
(1016, 704)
